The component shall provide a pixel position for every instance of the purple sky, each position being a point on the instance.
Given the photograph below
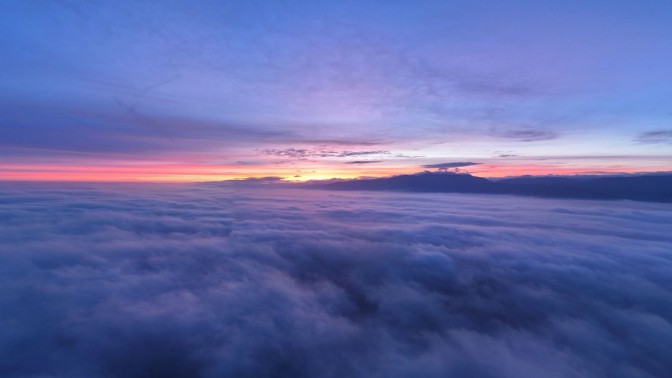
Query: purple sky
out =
(172, 90)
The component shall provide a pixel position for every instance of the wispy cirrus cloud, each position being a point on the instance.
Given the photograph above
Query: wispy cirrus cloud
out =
(456, 164)
(362, 76)
(364, 161)
(320, 152)
(655, 137)
(527, 134)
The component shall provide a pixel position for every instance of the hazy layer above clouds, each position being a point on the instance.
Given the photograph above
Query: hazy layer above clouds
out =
(194, 281)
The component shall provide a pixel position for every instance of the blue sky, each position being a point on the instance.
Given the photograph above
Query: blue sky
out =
(182, 90)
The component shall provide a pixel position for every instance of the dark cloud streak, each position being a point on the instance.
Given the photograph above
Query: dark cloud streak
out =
(527, 134)
(364, 162)
(313, 153)
(655, 137)
(456, 164)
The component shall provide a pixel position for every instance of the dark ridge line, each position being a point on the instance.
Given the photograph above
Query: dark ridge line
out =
(647, 188)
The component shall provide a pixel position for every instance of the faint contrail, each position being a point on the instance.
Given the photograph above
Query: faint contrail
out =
(140, 117)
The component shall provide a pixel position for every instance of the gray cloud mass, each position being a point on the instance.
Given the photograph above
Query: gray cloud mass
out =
(209, 281)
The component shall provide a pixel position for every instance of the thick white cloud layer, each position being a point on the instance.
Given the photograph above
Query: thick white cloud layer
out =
(198, 281)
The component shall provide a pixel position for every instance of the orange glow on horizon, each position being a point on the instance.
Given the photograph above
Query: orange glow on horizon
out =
(179, 173)
(198, 173)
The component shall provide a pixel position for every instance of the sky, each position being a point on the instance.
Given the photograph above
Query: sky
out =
(201, 280)
(184, 91)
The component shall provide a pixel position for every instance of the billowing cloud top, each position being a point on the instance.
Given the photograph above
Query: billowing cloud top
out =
(202, 281)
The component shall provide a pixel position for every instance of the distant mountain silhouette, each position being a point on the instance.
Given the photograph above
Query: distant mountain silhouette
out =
(655, 188)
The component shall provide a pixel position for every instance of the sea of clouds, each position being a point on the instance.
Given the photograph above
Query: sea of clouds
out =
(212, 281)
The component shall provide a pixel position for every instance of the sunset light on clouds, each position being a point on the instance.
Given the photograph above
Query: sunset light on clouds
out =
(335, 188)
(168, 91)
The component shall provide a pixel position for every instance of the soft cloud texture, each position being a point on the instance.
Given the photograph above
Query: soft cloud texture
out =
(456, 164)
(528, 134)
(173, 83)
(208, 281)
(303, 153)
(653, 137)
